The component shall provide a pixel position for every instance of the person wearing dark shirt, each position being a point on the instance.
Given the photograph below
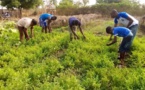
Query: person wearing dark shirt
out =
(73, 23)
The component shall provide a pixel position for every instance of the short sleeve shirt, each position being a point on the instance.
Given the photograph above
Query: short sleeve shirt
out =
(45, 16)
(24, 22)
(122, 19)
(71, 19)
(121, 31)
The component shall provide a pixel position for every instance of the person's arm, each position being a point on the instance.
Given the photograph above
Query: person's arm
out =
(130, 21)
(31, 32)
(71, 27)
(115, 25)
(111, 37)
(114, 41)
(126, 16)
(81, 31)
(49, 25)
(26, 33)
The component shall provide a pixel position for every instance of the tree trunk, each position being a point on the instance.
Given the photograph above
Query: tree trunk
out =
(20, 12)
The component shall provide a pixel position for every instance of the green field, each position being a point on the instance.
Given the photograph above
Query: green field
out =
(53, 62)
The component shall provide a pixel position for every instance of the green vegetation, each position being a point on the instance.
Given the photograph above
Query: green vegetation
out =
(53, 62)
(20, 4)
(102, 7)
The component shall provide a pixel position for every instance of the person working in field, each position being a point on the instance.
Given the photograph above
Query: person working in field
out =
(125, 44)
(126, 20)
(45, 21)
(73, 23)
(23, 24)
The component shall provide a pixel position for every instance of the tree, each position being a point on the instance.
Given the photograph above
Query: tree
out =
(78, 4)
(66, 4)
(108, 1)
(117, 1)
(21, 4)
(51, 1)
(54, 2)
(85, 2)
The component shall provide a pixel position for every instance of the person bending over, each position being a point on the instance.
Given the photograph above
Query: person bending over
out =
(23, 24)
(126, 20)
(125, 44)
(73, 23)
(45, 21)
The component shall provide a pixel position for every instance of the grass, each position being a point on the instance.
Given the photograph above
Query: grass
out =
(53, 62)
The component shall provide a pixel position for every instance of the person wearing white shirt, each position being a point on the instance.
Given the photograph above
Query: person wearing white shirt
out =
(126, 20)
(23, 24)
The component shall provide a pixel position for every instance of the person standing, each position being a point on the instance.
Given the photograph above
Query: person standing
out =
(126, 20)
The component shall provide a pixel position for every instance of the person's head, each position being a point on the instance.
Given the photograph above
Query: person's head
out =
(114, 13)
(109, 30)
(75, 22)
(53, 18)
(33, 22)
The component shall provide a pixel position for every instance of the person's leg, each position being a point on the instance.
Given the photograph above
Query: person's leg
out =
(41, 25)
(122, 51)
(124, 47)
(42, 29)
(71, 34)
(74, 32)
(134, 30)
(122, 57)
(75, 29)
(26, 34)
(127, 46)
(21, 33)
(45, 26)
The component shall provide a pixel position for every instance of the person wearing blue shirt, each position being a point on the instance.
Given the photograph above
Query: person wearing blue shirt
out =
(125, 44)
(125, 20)
(45, 20)
(73, 22)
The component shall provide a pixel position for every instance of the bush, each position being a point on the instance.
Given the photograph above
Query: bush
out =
(103, 9)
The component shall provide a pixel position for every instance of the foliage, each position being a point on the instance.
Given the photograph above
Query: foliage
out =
(108, 1)
(7, 27)
(104, 9)
(21, 4)
(85, 2)
(26, 4)
(54, 2)
(66, 4)
(118, 1)
(53, 62)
